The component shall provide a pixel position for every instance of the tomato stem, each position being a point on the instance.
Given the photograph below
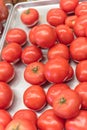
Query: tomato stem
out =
(35, 69)
(62, 100)
(17, 128)
(27, 11)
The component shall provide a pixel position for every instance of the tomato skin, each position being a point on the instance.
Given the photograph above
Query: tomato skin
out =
(30, 17)
(64, 103)
(11, 53)
(2, 127)
(64, 34)
(55, 90)
(34, 97)
(17, 35)
(34, 73)
(7, 72)
(31, 54)
(56, 16)
(48, 120)
(25, 114)
(56, 70)
(78, 122)
(70, 74)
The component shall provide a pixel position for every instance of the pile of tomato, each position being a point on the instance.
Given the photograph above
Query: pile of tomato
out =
(62, 40)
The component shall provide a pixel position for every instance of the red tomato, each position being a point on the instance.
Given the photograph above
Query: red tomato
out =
(55, 90)
(68, 5)
(25, 114)
(58, 50)
(11, 52)
(17, 35)
(56, 70)
(81, 71)
(78, 49)
(65, 34)
(31, 54)
(56, 16)
(81, 8)
(34, 97)
(7, 72)
(30, 17)
(49, 121)
(44, 36)
(77, 123)
(21, 124)
(67, 104)
(34, 73)
(2, 127)
(5, 117)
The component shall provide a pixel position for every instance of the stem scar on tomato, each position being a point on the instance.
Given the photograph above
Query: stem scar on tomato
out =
(17, 128)
(27, 11)
(35, 69)
(62, 100)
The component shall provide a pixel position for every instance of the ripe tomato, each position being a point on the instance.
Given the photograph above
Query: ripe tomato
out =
(56, 16)
(31, 54)
(21, 124)
(2, 127)
(25, 114)
(34, 73)
(7, 72)
(49, 121)
(64, 103)
(78, 122)
(56, 70)
(5, 117)
(30, 17)
(11, 53)
(81, 71)
(78, 49)
(58, 50)
(17, 35)
(68, 5)
(64, 34)
(55, 90)
(34, 97)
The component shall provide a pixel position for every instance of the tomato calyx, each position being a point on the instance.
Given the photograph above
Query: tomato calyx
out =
(17, 128)
(62, 100)
(35, 69)
(27, 11)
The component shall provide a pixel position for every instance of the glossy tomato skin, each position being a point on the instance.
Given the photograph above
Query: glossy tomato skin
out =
(78, 49)
(34, 97)
(34, 73)
(64, 103)
(56, 16)
(64, 34)
(68, 5)
(56, 70)
(7, 71)
(30, 17)
(11, 53)
(31, 54)
(81, 71)
(78, 122)
(70, 74)
(55, 90)
(17, 35)
(48, 120)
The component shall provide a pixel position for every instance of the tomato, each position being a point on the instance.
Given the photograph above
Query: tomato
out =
(17, 35)
(81, 8)
(34, 73)
(55, 90)
(31, 54)
(11, 53)
(44, 36)
(81, 71)
(78, 122)
(5, 117)
(25, 114)
(21, 124)
(2, 127)
(30, 17)
(56, 70)
(7, 71)
(34, 97)
(56, 16)
(78, 49)
(64, 34)
(48, 120)
(68, 5)
(58, 50)
(67, 104)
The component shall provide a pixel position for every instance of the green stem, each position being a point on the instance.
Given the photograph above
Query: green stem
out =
(35, 69)
(62, 100)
